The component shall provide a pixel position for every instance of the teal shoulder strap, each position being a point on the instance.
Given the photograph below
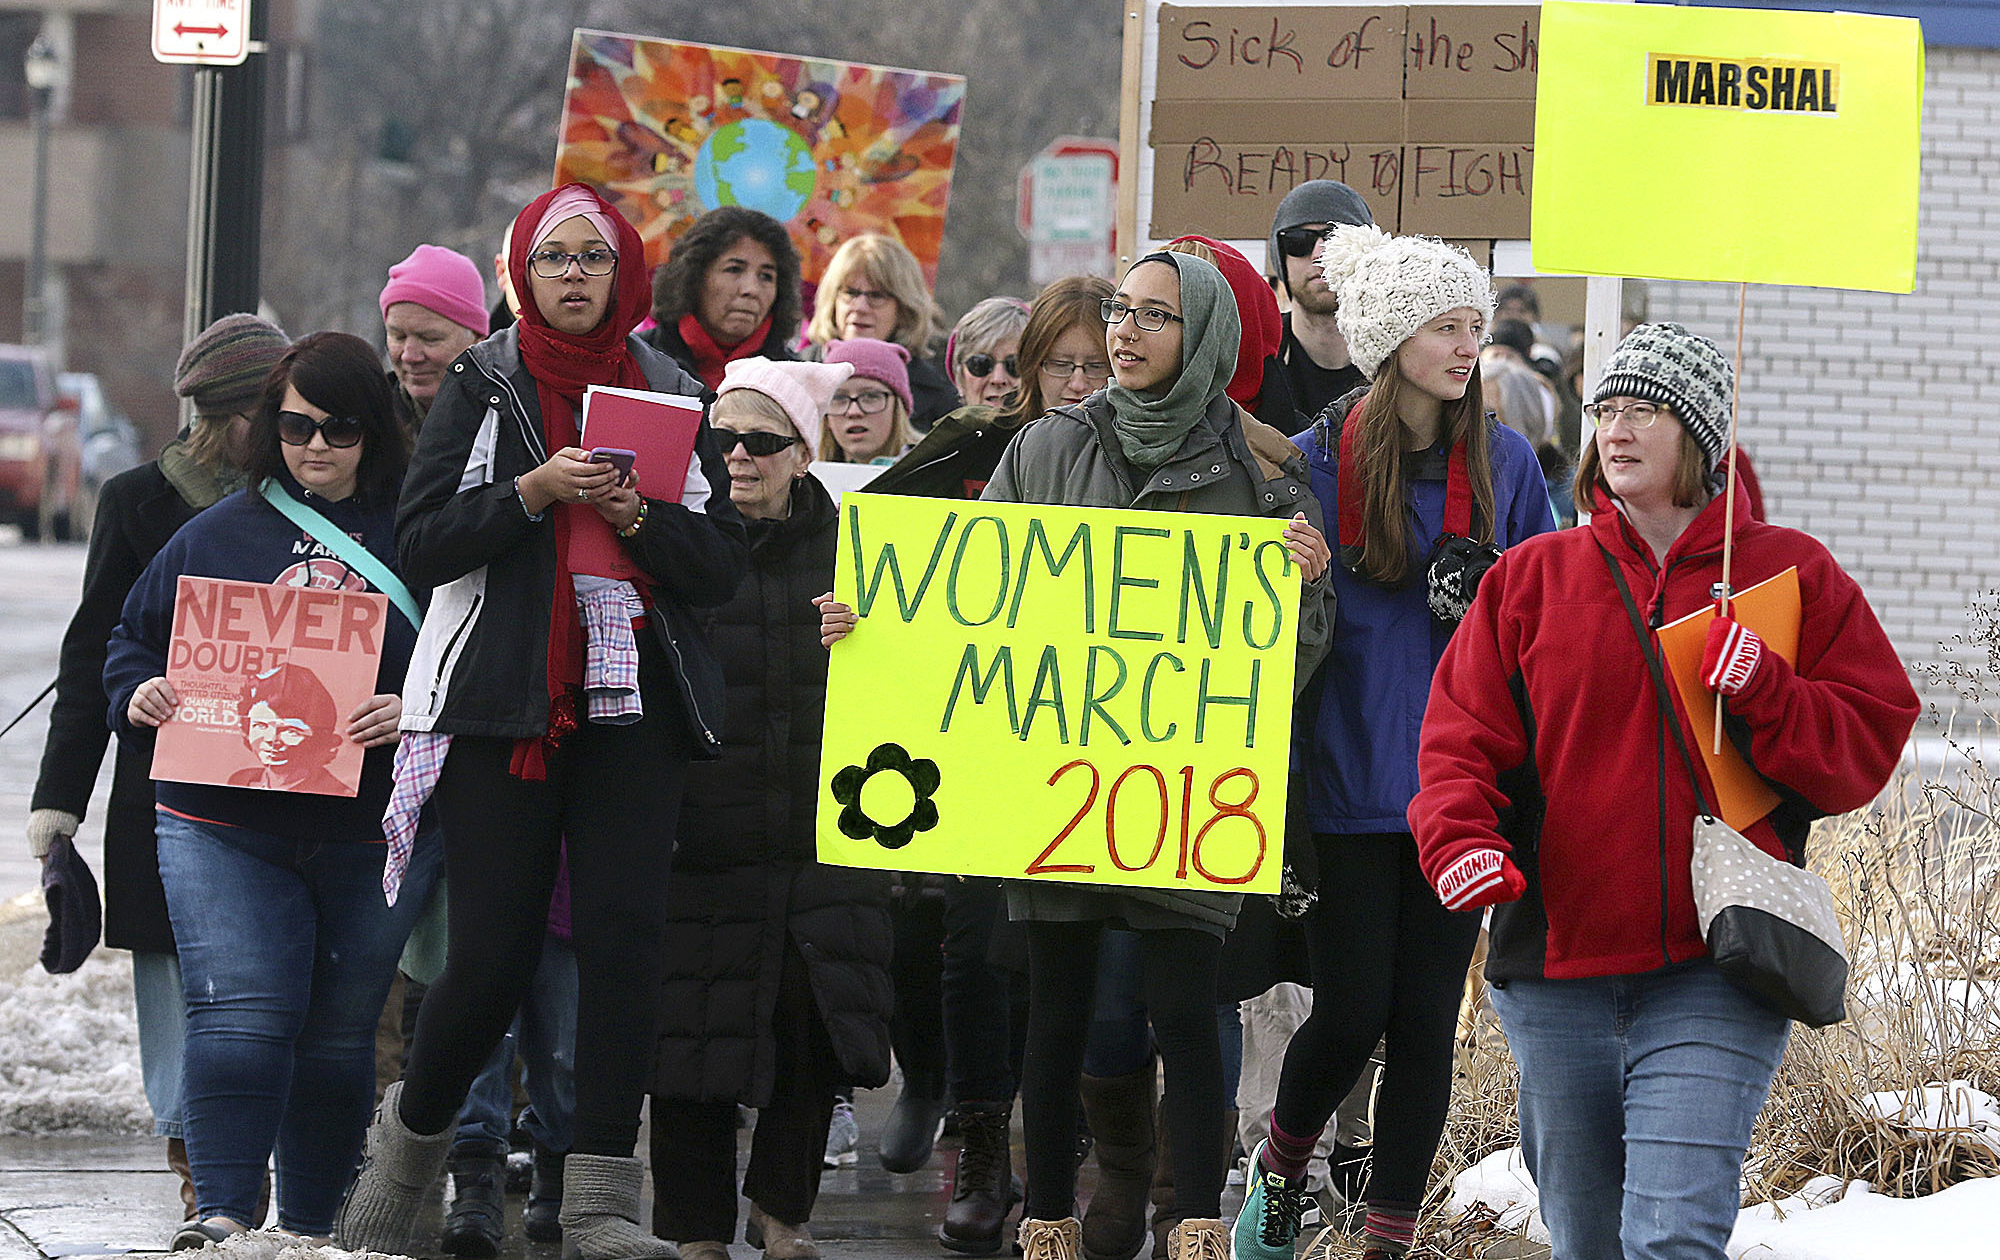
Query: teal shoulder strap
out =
(344, 548)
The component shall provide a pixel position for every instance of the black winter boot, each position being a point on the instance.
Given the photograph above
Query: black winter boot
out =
(982, 1188)
(477, 1221)
(545, 1196)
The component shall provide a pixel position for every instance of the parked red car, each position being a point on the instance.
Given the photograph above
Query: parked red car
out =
(41, 460)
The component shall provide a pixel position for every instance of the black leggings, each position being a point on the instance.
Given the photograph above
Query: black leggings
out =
(614, 793)
(1388, 963)
(1180, 979)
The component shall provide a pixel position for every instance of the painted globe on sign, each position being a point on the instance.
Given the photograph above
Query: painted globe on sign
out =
(756, 164)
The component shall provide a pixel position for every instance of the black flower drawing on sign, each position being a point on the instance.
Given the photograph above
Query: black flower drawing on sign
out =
(920, 773)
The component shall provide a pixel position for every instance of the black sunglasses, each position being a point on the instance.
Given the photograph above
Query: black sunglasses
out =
(1298, 242)
(755, 441)
(297, 429)
(982, 365)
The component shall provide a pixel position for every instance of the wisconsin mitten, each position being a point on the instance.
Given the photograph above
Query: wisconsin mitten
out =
(1483, 877)
(1731, 656)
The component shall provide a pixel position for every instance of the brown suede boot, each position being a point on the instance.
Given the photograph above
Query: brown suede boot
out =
(1119, 1110)
(177, 1160)
(1050, 1240)
(1198, 1240)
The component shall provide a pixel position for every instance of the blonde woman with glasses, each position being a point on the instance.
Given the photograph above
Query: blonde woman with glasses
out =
(874, 288)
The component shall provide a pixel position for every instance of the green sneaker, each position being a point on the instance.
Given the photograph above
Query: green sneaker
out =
(1268, 1226)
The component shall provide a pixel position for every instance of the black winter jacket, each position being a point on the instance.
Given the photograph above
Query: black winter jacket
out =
(481, 664)
(744, 878)
(137, 512)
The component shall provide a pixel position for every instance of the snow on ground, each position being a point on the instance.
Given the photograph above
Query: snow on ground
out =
(69, 1051)
(269, 1244)
(1824, 1221)
(1955, 1106)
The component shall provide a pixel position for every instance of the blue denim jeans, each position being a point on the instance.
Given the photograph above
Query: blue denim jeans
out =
(287, 951)
(1637, 1098)
(161, 1005)
(544, 1034)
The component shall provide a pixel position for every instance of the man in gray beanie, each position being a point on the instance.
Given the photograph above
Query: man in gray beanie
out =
(1314, 355)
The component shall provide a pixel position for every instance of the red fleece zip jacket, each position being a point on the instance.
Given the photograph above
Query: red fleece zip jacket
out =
(1542, 737)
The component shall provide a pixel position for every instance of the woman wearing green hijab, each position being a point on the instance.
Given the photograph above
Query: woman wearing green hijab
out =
(1161, 436)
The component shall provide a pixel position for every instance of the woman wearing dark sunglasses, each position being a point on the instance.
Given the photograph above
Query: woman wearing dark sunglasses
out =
(287, 949)
(776, 985)
(983, 351)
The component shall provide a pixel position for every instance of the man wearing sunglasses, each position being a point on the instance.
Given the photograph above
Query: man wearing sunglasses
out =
(1313, 353)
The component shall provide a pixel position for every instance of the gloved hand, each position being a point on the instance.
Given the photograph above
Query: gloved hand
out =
(45, 825)
(1731, 656)
(1483, 877)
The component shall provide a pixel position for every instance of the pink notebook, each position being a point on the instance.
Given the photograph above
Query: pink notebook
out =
(661, 428)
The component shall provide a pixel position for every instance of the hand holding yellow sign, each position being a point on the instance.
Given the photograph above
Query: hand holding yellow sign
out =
(1706, 144)
(1060, 693)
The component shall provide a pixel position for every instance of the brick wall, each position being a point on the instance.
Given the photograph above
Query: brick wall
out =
(1874, 419)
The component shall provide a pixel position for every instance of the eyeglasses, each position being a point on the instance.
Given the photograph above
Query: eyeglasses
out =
(1063, 369)
(982, 365)
(1638, 415)
(553, 264)
(871, 402)
(1148, 318)
(1299, 242)
(873, 297)
(756, 442)
(297, 429)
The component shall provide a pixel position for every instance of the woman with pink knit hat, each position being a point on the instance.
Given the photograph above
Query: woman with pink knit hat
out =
(433, 310)
(868, 418)
(776, 982)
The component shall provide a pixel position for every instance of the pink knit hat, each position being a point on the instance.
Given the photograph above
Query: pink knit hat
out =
(441, 280)
(883, 361)
(800, 388)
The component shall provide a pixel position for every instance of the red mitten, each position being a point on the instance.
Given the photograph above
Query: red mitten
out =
(1731, 657)
(1483, 877)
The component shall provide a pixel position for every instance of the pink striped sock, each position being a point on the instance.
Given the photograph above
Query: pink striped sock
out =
(1286, 1154)
(1390, 1228)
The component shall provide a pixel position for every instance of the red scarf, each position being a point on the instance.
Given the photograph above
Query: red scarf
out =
(1457, 490)
(711, 358)
(563, 365)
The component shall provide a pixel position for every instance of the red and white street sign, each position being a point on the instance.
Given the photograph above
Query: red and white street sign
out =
(201, 32)
(1067, 208)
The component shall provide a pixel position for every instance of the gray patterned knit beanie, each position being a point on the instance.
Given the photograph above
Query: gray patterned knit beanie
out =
(1667, 364)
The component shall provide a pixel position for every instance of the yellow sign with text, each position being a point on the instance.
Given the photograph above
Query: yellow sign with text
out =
(1715, 144)
(1078, 694)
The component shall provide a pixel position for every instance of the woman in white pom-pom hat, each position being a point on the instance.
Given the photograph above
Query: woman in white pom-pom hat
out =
(1425, 487)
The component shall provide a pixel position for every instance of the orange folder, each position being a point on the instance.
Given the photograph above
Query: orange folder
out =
(1771, 608)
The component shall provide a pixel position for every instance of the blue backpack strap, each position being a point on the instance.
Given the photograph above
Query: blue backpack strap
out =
(344, 548)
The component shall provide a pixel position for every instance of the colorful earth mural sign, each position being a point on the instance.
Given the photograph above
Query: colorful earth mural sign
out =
(668, 131)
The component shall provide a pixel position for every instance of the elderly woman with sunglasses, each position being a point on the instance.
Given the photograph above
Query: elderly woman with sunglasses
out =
(275, 890)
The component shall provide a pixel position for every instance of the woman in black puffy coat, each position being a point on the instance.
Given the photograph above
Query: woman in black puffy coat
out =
(776, 968)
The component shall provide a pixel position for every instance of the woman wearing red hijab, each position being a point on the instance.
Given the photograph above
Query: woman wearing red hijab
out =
(549, 706)
(1260, 385)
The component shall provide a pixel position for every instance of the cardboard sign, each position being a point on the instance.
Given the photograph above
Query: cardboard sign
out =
(1747, 115)
(1073, 694)
(266, 677)
(1426, 110)
(668, 130)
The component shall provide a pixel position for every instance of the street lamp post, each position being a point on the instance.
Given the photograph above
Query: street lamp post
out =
(44, 69)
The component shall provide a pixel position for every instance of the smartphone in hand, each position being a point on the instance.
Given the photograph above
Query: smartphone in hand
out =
(618, 458)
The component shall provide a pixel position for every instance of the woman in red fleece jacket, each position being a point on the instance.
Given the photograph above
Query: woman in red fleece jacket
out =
(1550, 790)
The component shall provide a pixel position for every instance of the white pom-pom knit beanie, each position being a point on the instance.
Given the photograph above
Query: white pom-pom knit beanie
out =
(1390, 286)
